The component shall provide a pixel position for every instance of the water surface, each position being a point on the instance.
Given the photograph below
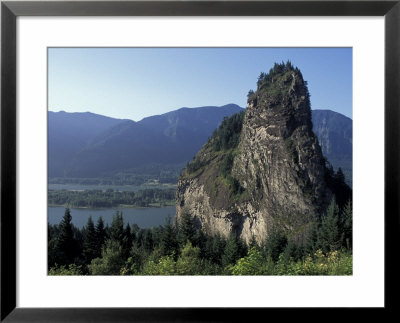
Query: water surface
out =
(143, 217)
(83, 187)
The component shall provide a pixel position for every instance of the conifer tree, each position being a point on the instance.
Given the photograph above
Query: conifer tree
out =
(117, 227)
(66, 244)
(134, 232)
(339, 175)
(253, 243)
(169, 242)
(340, 189)
(347, 224)
(214, 248)
(91, 249)
(330, 236)
(276, 243)
(231, 251)
(127, 241)
(147, 241)
(54, 255)
(187, 229)
(290, 251)
(100, 234)
(311, 241)
(250, 94)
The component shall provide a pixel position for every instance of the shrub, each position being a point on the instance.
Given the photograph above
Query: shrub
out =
(70, 270)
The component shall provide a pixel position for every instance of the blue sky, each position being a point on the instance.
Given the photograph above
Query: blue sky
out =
(133, 83)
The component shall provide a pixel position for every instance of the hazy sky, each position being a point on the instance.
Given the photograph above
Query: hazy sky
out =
(133, 83)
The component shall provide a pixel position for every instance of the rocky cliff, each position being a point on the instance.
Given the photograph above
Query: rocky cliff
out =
(262, 167)
(335, 136)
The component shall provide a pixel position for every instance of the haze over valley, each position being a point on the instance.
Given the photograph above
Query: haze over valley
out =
(88, 148)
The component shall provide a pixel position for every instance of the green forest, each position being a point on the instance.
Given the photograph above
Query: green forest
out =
(111, 198)
(183, 249)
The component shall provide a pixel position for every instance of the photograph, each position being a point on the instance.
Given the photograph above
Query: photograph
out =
(198, 161)
(210, 161)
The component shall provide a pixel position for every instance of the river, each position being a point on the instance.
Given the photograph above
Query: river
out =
(131, 188)
(143, 217)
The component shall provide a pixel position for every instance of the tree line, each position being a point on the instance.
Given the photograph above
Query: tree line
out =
(180, 248)
(110, 198)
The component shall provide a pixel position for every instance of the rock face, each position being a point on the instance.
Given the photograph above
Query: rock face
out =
(335, 136)
(263, 169)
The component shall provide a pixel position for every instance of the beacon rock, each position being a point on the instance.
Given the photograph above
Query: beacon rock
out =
(261, 170)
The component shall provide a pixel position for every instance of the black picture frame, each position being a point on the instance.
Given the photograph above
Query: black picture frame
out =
(10, 10)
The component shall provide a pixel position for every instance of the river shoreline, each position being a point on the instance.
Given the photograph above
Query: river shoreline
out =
(144, 217)
(122, 206)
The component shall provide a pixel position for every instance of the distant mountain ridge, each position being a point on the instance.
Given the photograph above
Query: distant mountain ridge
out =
(85, 145)
(68, 133)
(335, 136)
(172, 138)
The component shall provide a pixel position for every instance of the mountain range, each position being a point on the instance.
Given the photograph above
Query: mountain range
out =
(88, 145)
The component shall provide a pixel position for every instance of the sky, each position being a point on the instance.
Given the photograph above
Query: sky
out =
(133, 83)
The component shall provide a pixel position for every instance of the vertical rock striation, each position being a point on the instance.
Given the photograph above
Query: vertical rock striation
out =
(261, 168)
